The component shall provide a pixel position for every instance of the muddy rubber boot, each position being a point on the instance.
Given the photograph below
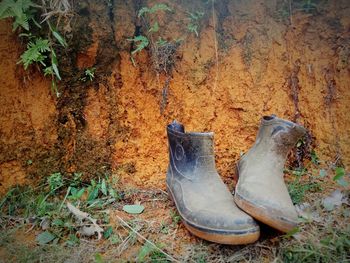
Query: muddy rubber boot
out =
(261, 191)
(203, 201)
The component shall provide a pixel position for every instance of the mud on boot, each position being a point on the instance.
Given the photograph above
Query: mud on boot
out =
(203, 201)
(261, 190)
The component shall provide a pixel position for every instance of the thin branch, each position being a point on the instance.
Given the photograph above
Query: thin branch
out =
(145, 239)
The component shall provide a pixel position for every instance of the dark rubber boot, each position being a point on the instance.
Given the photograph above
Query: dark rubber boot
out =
(203, 201)
(261, 191)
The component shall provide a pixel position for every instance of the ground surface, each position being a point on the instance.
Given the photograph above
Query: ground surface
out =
(270, 59)
(157, 234)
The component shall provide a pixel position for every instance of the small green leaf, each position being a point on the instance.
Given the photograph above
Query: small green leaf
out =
(153, 9)
(108, 232)
(48, 71)
(73, 240)
(154, 28)
(60, 39)
(113, 193)
(93, 194)
(54, 87)
(80, 193)
(77, 177)
(114, 239)
(73, 190)
(141, 43)
(98, 258)
(58, 222)
(75, 193)
(133, 209)
(55, 181)
(93, 182)
(145, 251)
(292, 232)
(339, 173)
(54, 65)
(45, 237)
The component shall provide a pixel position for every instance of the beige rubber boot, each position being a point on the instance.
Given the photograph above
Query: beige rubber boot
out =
(203, 201)
(261, 191)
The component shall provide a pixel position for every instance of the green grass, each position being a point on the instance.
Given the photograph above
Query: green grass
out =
(45, 205)
(326, 245)
(298, 190)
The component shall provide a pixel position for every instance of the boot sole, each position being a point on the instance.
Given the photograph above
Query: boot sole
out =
(264, 215)
(234, 237)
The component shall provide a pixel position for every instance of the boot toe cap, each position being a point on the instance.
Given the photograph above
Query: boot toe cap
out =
(279, 215)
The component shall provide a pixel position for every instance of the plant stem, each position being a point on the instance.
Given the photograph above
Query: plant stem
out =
(216, 47)
(290, 13)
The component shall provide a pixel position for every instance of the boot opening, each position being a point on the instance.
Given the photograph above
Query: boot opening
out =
(269, 118)
(176, 126)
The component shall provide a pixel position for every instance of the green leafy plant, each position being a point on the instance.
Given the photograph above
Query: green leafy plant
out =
(133, 209)
(55, 181)
(46, 205)
(339, 176)
(141, 43)
(194, 24)
(314, 158)
(297, 190)
(45, 237)
(148, 250)
(308, 5)
(161, 42)
(39, 50)
(301, 185)
(328, 245)
(175, 217)
(21, 10)
(154, 27)
(76, 193)
(36, 52)
(153, 9)
(89, 74)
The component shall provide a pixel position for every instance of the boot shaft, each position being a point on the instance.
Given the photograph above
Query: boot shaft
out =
(190, 153)
(278, 136)
(261, 190)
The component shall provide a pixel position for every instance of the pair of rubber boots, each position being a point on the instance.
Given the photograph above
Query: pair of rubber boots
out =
(207, 208)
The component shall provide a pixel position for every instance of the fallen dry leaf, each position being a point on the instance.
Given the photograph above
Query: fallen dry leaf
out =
(89, 230)
(305, 211)
(76, 212)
